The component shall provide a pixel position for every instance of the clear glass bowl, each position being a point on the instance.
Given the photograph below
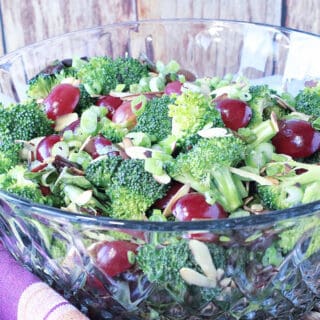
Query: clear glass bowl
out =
(54, 244)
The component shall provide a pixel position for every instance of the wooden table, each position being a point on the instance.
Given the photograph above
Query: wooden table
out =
(27, 21)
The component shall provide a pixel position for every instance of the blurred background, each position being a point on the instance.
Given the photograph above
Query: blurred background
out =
(27, 21)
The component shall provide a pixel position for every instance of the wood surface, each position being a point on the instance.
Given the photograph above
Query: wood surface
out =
(27, 21)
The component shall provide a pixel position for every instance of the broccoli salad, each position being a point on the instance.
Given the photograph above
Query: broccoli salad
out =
(122, 138)
(130, 139)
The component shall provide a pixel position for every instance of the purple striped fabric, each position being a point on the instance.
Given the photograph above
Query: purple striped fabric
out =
(23, 296)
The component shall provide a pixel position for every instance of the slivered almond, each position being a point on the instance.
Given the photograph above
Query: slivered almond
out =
(163, 179)
(225, 282)
(126, 143)
(195, 278)
(252, 176)
(274, 121)
(136, 152)
(203, 258)
(83, 198)
(220, 274)
(127, 96)
(180, 193)
(70, 80)
(213, 132)
(85, 143)
(63, 121)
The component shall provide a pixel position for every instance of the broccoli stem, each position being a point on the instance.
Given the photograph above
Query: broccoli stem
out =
(228, 194)
(264, 131)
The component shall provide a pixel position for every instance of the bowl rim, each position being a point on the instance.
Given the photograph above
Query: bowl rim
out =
(131, 23)
(226, 224)
(176, 226)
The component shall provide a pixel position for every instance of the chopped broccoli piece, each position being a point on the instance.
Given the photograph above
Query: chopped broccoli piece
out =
(85, 100)
(162, 263)
(133, 190)
(191, 111)
(25, 121)
(187, 143)
(261, 101)
(100, 171)
(14, 182)
(277, 197)
(115, 132)
(129, 71)
(206, 168)
(261, 133)
(9, 153)
(289, 188)
(41, 85)
(154, 120)
(100, 75)
(308, 101)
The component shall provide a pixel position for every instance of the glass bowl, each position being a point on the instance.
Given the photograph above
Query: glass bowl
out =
(244, 283)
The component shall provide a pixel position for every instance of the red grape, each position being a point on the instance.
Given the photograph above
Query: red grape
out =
(43, 150)
(112, 256)
(173, 87)
(111, 103)
(73, 126)
(296, 138)
(62, 99)
(194, 206)
(163, 202)
(98, 146)
(235, 113)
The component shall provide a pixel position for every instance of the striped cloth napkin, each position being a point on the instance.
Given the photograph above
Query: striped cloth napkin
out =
(23, 296)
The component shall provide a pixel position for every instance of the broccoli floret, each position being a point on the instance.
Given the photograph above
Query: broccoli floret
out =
(277, 197)
(206, 168)
(100, 171)
(85, 100)
(20, 122)
(261, 101)
(100, 75)
(190, 112)
(25, 121)
(129, 71)
(154, 120)
(308, 101)
(289, 188)
(14, 181)
(185, 144)
(40, 85)
(133, 190)
(115, 132)
(162, 264)
(9, 153)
